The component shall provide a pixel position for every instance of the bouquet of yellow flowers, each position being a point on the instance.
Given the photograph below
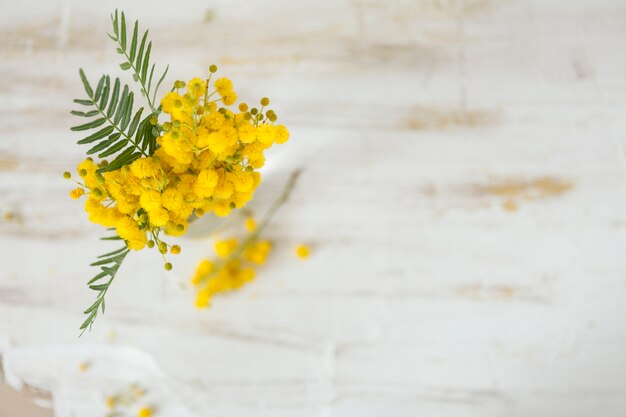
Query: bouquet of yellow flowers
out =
(144, 177)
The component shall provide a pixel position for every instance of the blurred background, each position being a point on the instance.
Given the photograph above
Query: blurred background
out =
(463, 193)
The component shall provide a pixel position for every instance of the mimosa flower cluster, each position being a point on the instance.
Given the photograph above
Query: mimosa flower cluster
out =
(172, 159)
(206, 161)
(233, 267)
(236, 262)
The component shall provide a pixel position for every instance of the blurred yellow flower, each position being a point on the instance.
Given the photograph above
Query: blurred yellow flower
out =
(302, 251)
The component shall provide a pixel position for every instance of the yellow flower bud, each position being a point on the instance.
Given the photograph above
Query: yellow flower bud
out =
(250, 224)
(111, 402)
(302, 251)
(144, 412)
(76, 193)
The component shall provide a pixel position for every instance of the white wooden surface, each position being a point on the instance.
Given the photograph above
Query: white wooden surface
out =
(449, 277)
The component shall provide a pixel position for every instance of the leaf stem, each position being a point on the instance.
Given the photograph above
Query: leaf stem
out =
(136, 74)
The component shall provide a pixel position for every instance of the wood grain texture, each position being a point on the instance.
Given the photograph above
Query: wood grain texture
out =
(464, 194)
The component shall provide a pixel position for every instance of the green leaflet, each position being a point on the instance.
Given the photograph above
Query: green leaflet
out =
(136, 59)
(115, 128)
(109, 264)
(112, 127)
(122, 135)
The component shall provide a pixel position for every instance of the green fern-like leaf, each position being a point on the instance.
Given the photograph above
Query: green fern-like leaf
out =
(109, 264)
(126, 134)
(136, 55)
(113, 128)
